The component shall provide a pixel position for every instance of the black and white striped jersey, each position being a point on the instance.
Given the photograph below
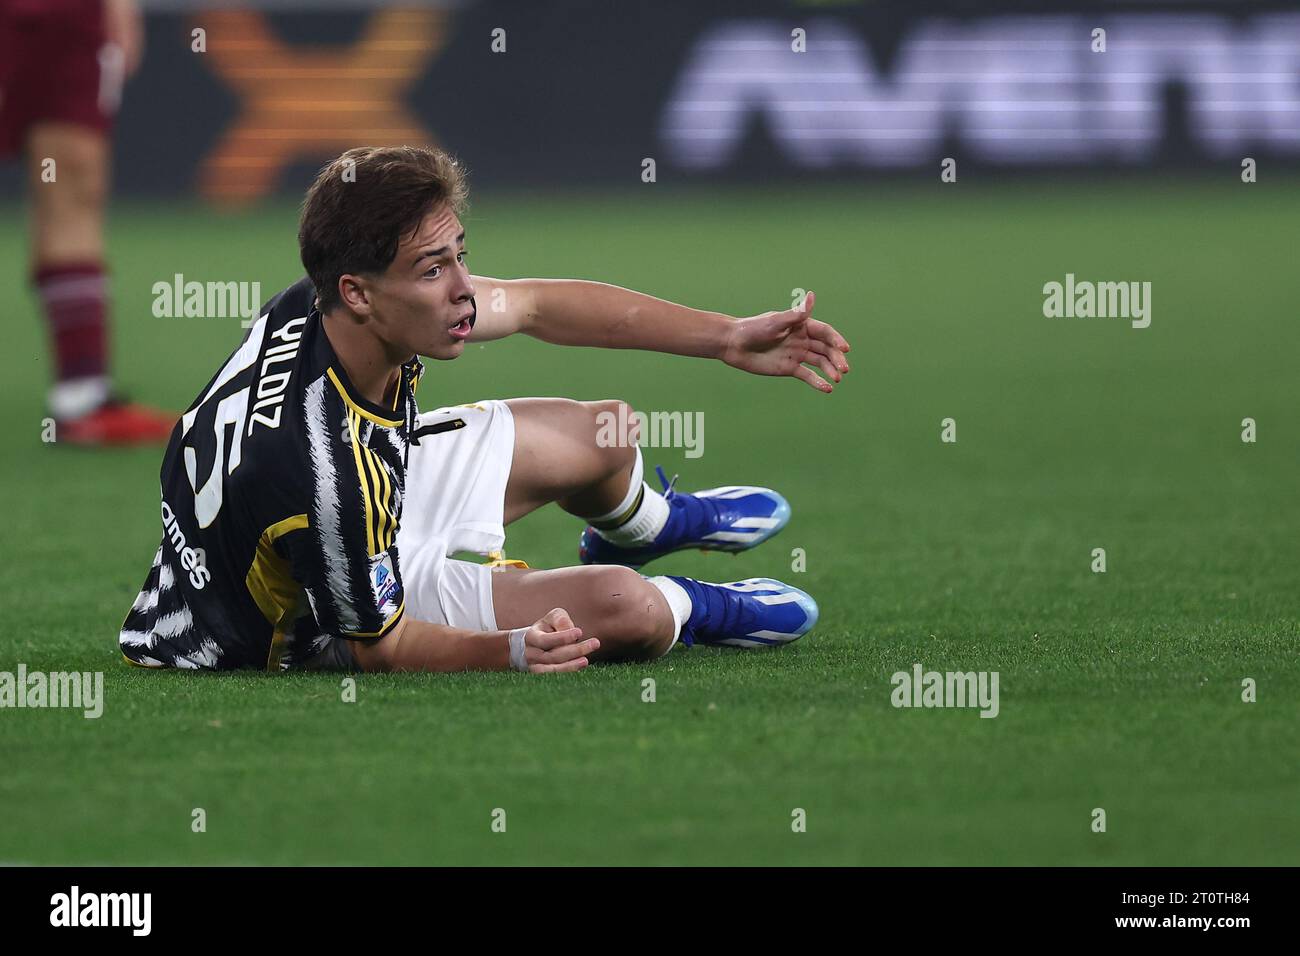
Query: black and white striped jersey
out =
(281, 495)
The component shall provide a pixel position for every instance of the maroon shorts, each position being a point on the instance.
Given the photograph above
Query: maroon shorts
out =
(55, 67)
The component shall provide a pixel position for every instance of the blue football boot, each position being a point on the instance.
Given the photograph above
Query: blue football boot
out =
(756, 612)
(731, 518)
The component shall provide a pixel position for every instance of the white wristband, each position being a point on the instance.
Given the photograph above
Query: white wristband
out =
(518, 660)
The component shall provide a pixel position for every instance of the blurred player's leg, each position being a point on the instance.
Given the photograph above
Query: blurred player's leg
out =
(61, 89)
(67, 226)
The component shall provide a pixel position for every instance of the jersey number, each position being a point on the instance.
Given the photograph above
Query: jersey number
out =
(231, 410)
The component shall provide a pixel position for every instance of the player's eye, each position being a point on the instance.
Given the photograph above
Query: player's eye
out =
(434, 272)
(463, 255)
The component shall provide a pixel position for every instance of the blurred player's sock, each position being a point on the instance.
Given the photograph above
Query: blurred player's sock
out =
(77, 397)
(74, 298)
(756, 612)
(639, 517)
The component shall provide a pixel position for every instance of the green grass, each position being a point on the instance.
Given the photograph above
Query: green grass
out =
(1119, 690)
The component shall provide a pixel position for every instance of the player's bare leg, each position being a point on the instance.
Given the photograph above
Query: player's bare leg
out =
(585, 456)
(628, 615)
(557, 457)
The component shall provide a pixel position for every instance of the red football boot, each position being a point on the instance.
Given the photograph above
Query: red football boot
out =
(118, 422)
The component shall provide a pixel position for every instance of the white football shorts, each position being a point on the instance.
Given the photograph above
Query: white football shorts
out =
(455, 501)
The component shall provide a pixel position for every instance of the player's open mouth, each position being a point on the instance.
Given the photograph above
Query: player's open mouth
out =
(461, 329)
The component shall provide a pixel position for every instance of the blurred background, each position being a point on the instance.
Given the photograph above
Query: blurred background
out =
(611, 117)
(562, 94)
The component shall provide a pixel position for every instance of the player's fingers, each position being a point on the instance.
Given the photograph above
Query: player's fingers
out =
(827, 367)
(567, 652)
(805, 374)
(556, 619)
(834, 354)
(545, 641)
(825, 332)
(809, 299)
(568, 667)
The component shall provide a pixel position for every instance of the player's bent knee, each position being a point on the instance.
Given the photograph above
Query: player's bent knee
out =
(661, 644)
(631, 619)
(617, 430)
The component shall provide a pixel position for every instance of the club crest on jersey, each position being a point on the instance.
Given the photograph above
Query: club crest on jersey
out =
(387, 588)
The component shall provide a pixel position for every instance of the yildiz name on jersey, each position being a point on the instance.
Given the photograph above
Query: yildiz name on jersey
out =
(192, 559)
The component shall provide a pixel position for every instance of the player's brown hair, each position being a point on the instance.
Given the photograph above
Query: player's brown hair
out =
(364, 203)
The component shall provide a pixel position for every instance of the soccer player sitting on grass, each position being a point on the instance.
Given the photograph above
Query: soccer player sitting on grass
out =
(304, 468)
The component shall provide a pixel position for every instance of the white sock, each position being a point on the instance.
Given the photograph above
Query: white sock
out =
(679, 602)
(77, 396)
(639, 517)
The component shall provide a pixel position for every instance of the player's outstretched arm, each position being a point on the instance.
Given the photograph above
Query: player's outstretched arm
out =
(594, 314)
(552, 645)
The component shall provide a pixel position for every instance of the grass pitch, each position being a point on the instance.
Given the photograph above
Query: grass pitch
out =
(1119, 690)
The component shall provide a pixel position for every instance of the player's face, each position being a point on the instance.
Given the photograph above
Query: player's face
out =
(423, 301)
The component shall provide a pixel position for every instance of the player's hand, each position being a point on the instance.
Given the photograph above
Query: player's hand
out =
(554, 646)
(789, 343)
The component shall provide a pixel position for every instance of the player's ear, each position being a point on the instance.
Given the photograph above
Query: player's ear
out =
(353, 293)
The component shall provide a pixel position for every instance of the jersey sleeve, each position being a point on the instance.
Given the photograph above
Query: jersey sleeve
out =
(346, 559)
